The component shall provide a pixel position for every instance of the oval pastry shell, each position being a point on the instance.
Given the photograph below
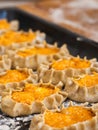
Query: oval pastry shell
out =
(38, 123)
(33, 61)
(40, 37)
(48, 74)
(14, 25)
(17, 86)
(14, 108)
(81, 94)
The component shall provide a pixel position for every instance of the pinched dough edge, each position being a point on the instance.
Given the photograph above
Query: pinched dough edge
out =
(81, 94)
(48, 74)
(14, 25)
(40, 37)
(17, 86)
(13, 108)
(5, 63)
(34, 61)
(38, 122)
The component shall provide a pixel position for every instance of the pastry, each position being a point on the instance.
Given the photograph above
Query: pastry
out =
(83, 88)
(63, 68)
(5, 63)
(70, 118)
(6, 26)
(13, 40)
(31, 99)
(13, 80)
(32, 57)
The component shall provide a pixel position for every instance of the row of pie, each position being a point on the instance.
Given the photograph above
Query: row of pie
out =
(36, 77)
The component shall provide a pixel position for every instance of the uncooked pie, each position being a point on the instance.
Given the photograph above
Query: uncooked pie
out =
(70, 118)
(31, 99)
(18, 39)
(6, 26)
(13, 80)
(58, 71)
(32, 57)
(83, 88)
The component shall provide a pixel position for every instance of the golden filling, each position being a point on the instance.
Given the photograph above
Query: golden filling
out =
(76, 63)
(11, 37)
(13, 76)
(0, 57)
(4, 24)
(41, 51)
(67, 117)
(33, 92)
(87, 80)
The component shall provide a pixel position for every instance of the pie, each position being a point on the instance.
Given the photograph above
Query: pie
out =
(32, 57)
(18, 39)
(14, 80)
(6, 26)
(70, 118)
(83, 88)
(31, 99)
(5, 63)
(58, 71)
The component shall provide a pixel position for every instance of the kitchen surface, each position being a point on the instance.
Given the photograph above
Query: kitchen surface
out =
(76, 15)
(79, 16)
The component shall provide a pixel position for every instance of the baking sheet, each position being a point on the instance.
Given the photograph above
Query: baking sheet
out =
(77, 45)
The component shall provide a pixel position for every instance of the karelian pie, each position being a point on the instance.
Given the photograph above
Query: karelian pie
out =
(6, 26)
(13, 80)
(83, 88)
(32, 57)
(70, 118)
(13, 40)
(5, 63)
(31, 99)
(59, 70)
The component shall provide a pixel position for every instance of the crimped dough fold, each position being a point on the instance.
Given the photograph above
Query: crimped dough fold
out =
(14, 108)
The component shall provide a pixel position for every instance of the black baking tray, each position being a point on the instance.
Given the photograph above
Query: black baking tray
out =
(77, 45)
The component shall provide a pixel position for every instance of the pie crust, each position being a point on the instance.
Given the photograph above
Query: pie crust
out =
(83, 88)
(5, 63)
(6, 26)
(91, 123)
(7, 85)
(15, 108)
(34, 60)
(20, 39)
(48, 74)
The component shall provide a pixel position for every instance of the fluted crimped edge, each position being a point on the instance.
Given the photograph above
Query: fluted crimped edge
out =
(81, 94)
(48, 74)
(5, 63)
(38, 122)
(34, 61)
(38, 40)
(13, 108)
(14, 25)
(18, 86)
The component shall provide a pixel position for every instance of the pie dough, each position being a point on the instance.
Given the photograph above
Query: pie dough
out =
(83, 88)
(71, 118)
(5, 63)
(14, 80)
(12, 40)
(32, 99)
(32, 57)
(6, 26)
(63, 68)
